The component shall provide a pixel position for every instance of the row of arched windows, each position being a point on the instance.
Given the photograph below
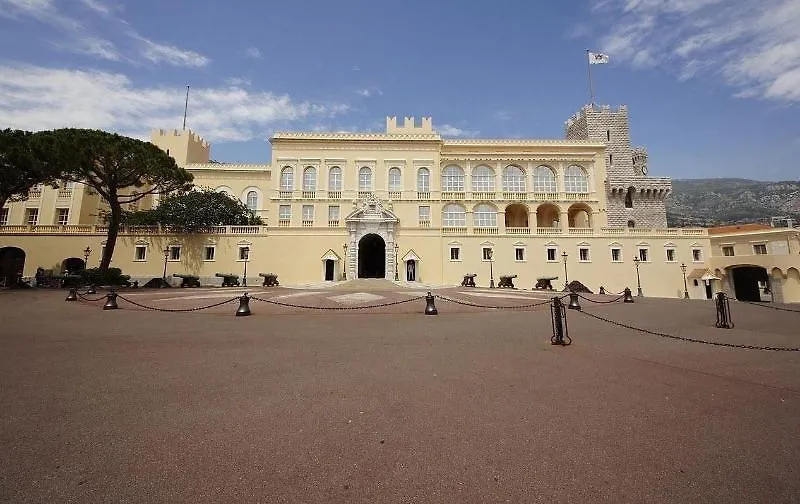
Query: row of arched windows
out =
(251, 198)
(453, 179)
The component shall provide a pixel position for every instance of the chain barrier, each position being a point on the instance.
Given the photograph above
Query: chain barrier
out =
(466, 303)
(336, 308)
(177, 310)
(619, 296)
(83, 297)
(691, 340)
(770, 307)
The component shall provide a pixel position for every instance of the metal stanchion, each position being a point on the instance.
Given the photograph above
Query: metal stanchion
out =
(573, 301)
(91, 289)
(73, 295)
(602, 290)
(723, 305)
(559, 315)
(244, 306)
(430, 306)
(111, 301)
(628, 296)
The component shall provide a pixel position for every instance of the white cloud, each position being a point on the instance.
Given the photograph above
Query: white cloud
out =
(367, 92)
(452, 131)
(252, 52)
(36, 98)
(97, 6)
(161, 53)
(753, 46)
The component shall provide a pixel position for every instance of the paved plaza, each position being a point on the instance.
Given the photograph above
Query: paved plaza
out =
(385, 404)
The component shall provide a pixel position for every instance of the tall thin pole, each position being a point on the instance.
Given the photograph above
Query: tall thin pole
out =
(186, 105)
(591, 86)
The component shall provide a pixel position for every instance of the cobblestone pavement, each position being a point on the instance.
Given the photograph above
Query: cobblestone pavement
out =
(390, 405)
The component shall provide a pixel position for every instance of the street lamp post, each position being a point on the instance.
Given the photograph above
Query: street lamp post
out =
(685, 288)
(164, 276)
(245, 256)
(344, 268)
(490, 254)
(636, 261)
(564, 256)
(86, 253)
(396, 251)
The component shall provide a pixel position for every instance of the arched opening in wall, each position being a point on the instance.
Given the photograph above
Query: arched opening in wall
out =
(371, 257)
(547, 216)
(631, 224)
(580, 216)
(749, 282)
(629, 197)
(411, 270)
(12, 264)
(330, 268)
(516, 216)
(72, 265)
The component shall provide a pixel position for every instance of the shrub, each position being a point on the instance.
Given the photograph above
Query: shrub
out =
(113, 276)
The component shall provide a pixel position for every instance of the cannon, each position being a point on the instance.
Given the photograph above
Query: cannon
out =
(270, 279)
(188, 280)
(507, 281)
(228, 279)
(469, 280)
(545, 283)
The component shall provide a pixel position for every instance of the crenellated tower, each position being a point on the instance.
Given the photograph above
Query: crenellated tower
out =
(633, 199)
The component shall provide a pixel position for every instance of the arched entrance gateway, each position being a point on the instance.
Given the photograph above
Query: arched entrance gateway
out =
(12, 263)
(371, 257)
(749, 282)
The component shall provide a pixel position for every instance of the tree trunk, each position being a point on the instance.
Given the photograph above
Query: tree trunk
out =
(111, 238)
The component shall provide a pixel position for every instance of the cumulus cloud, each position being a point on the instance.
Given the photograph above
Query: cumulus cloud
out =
(452, 131)
(36, 98)
(368, 92)
(752, 46)
(252, 52)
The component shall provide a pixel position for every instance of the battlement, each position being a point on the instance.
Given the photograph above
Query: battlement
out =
(189, 134)
(409, 126)
(185, 146)
(588, 110)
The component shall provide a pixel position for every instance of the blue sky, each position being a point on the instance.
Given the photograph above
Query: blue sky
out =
(713, 86)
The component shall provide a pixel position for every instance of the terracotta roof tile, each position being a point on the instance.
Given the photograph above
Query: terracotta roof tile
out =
(738, 227)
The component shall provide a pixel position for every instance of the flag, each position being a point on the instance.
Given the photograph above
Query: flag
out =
(598, 58)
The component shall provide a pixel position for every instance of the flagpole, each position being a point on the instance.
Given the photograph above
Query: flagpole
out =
(591, 86)
(186, 106)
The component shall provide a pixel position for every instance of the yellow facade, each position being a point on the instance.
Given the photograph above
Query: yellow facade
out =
(404, 204)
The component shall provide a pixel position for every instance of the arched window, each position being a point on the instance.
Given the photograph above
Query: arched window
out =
(482, 179)
(287, 178)
(395, 179)
(335, 179)
(364, 179)
(310, 179)
(252, 200)
(423, 180)
(575, 180)
(544, 180)
(629, 198)
(454, 216)
(514, 179)
(484, 216)
(453, 179)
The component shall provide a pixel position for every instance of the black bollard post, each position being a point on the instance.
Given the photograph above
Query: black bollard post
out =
(244, 306)
(111, 301)
(91, 289)
(602, 290)
(724, 320)
(73, 295)
(430, 307)
(628, 296)
(573, 301)
(559, 318)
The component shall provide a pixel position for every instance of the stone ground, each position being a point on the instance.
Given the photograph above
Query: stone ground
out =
(390, 405)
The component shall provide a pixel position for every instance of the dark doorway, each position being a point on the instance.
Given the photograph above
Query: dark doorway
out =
(72, 265)
(709, 294)
(12, 263)
(746, 280)
(371, 257)
(329, 270)
(411, 270)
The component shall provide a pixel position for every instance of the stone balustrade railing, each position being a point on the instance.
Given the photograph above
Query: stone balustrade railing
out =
(130, 230)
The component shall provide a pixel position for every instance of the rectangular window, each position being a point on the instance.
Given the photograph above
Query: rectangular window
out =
(32, 216)
(519, 253)
(551, 254)
(3, 216)
(670, 255)
(285, 212)
(308, 213)
(758, 248)
(644, 254)
(140, 253)
(455, 253)
(175, 253)
(616, 255)
(728, 251)
(487, 253)
(62, 216)
(333, 213)
(424, 213)
(210, 253)
(244, 253)
(697, 255)
(583, 254)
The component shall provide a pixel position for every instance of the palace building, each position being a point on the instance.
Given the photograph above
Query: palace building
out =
(412, 206)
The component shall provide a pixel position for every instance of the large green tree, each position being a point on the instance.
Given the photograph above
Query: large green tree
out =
(194, 211)
(21, 167)
(122, 170)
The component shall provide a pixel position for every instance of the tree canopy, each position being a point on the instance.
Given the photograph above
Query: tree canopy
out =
(121, 169)
(194, 211)
(21, 167)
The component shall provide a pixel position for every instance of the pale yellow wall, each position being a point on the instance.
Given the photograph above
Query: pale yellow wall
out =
(183, 145)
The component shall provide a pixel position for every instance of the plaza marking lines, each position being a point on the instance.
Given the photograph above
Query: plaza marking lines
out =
(228, 294)
(356, 297)
(499, 295)
(412, 293)
(296, 294)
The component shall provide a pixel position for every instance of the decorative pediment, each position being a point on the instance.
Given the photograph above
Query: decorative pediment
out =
(583, 244)
(371, 209)
(615, 244)
(551, 244)
(330, 255)
(410, 256)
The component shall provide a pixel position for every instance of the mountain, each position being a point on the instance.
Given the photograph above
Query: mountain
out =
(713, 202)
